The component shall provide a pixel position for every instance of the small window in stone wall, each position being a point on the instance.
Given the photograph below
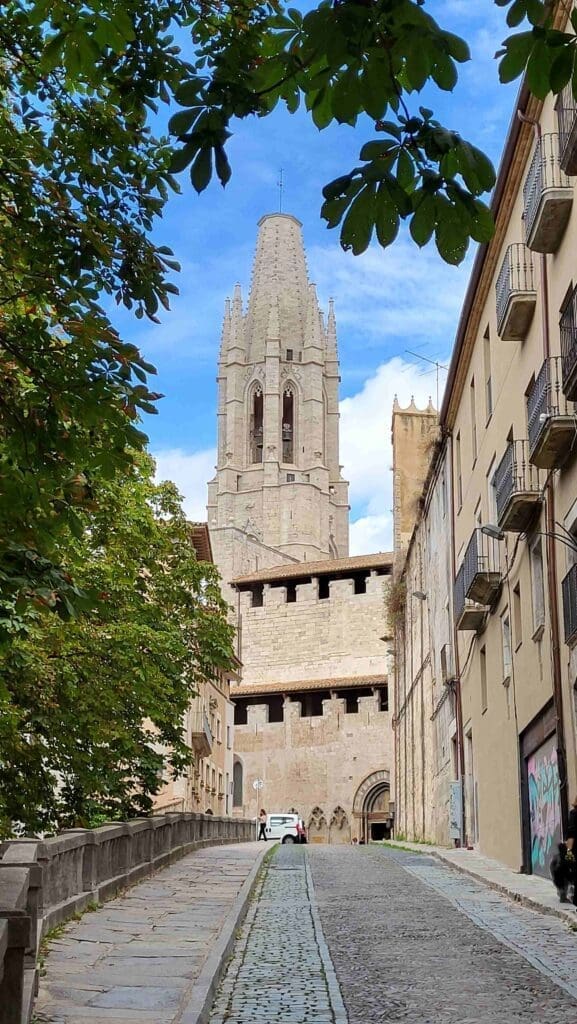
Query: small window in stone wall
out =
(360, 584)
(383, 698)
(275, 709)
(289, 355)
(257, 596)
(351, 703)
(323, 588)
(240, 712)
(290, 478)
(291, 593)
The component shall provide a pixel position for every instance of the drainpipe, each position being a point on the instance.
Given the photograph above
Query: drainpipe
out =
(457, 689)
(552, 579)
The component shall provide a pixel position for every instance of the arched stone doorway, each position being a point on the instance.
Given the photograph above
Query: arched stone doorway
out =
(372, 811)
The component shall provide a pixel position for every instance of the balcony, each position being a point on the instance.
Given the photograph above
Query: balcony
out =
(515, 293)
(468, 614)
(201, 734)
(547, 197)
(568, 332)
(569, 588)
(517, 488)
(566, 108)
(481, 569)
(551, 418)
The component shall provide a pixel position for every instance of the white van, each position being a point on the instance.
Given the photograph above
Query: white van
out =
(284, 828)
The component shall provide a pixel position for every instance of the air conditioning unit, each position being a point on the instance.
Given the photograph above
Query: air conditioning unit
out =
(447, 663)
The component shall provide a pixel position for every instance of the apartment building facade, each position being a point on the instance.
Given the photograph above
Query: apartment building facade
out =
(509, 434)
(208, 727)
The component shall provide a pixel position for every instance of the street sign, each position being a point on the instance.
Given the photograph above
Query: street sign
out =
(257, 784)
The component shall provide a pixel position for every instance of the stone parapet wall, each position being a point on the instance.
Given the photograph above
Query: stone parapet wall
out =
(312, 637)
(314, 763)
(44, 882)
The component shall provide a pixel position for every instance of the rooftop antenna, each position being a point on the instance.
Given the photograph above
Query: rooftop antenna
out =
(280, 184)
(434, 362)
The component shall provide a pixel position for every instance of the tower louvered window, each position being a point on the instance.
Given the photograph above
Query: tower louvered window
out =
(288, 425)
(256, 426)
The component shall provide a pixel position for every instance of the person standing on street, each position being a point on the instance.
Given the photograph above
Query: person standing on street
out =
(262, 821)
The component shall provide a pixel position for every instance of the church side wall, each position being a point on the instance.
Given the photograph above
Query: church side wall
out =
(314, 763)
(314, 638)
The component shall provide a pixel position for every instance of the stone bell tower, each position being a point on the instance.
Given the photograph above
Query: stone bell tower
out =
(278, 495)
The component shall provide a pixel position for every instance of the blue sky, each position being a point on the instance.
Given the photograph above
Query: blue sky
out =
(386, 302)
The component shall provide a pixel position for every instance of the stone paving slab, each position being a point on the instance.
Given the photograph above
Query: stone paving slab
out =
(138, 957)
(530, 890)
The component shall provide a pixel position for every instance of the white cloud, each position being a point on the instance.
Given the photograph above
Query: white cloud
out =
(190, 471)
(366, 451)
(392, 295)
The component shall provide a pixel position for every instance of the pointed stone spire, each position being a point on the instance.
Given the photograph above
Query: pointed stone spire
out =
(279, 272)
(313, 333)
(237, 325)
(331, 331)
(226, 335)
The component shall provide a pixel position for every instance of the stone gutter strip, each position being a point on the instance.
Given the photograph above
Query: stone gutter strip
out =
(531, 891)
(338, 1006)
(201, 996)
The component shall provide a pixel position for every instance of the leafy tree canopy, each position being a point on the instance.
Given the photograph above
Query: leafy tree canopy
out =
(83, 177)
(92, 710)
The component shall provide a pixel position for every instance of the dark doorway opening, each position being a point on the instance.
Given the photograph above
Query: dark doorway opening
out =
(380, 830)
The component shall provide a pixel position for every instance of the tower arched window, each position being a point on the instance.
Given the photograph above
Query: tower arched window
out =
(256, 425)
(288, 424)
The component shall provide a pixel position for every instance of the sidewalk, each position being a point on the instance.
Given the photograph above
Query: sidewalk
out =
(155, 954)
(530, 890)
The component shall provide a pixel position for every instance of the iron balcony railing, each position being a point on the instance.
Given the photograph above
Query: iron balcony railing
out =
(569, 588)
(516, 276)
(568, 331)
(200, 725)
(546, 399)
(459, 596)
(514, 475)
(566, 108)
(544, 173)
(481, 562)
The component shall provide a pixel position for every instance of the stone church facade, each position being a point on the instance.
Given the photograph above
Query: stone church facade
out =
(312, 727)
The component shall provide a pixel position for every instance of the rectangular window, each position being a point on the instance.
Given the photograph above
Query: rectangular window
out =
(506, 642)
(483, 670)
(289, 355)
(458, 470)
(517, 616)
(228, 743)
(290, 478)
(473, 406)
(537, 585)
(487, 369)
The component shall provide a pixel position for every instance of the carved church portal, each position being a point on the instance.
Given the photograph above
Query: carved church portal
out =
(372, 808)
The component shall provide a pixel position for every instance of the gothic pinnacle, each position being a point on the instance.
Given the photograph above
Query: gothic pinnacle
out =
(332, 330)
(226, 335)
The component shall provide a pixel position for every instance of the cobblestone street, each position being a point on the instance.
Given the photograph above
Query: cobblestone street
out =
(410, 940)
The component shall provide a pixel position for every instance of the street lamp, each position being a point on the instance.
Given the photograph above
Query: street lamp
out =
(495, 533)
